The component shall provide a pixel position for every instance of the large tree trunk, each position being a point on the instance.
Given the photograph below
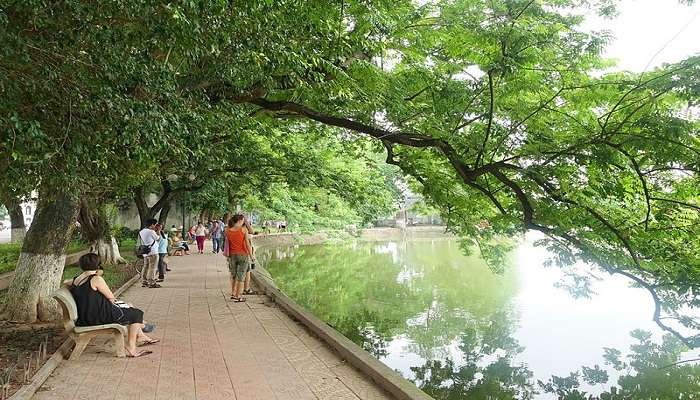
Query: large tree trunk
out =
(145, 212)
(17, 227)
(40, 266)
(163, 217)
(162, 205)
(204, 216)
(96, 231)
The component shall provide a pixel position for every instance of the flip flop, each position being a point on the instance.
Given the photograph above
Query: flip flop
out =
(138, 353)
(148, 342)
(239, 300)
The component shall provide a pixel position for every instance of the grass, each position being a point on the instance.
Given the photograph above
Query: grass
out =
(115, 276)
(9, 253)
(126, 249)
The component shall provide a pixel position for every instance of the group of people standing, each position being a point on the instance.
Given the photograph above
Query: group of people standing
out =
(97, 305)
(200, 233)
(154, 236)
(233, 239)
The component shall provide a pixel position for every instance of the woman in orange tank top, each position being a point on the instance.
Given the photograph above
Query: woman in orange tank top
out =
(239, 254)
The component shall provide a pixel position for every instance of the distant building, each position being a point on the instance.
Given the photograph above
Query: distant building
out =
(406, 215)
(690, 113)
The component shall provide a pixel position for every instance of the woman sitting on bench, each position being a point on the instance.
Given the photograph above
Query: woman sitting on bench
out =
(98, 306)
(179, 245)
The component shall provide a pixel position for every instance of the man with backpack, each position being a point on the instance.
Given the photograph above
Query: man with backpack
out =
(148, 249)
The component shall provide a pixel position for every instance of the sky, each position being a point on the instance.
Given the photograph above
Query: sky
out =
(645, 27)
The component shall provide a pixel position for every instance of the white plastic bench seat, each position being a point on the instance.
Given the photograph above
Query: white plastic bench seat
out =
(83, 329)
(81, 335)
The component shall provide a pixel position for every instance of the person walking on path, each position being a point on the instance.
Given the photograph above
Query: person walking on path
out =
(246, 284)
(217, 236)
(200, 234)
(97, 305)
(239, 254)
(162, 251)
(148, 237)
(190, 234)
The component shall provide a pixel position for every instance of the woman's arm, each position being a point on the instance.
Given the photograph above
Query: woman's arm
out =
(99, 283)
(249, 244)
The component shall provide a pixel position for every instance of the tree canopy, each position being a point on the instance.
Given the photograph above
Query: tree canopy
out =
(498, 110)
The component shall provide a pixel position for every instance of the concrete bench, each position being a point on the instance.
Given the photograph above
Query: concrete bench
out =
(82, 335)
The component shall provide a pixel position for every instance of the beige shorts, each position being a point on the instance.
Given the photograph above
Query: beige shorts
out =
(238, 265)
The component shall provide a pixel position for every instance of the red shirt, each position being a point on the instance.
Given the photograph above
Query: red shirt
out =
(236, 241)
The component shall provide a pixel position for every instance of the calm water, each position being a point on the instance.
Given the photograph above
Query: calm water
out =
(446, 322)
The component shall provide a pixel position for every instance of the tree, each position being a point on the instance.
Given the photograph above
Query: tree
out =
(14, 208)
(41, 261)
(95, 230)
(75, 122)
(495, 110)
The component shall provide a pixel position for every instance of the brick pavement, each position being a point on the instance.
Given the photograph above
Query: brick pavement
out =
(211, 348)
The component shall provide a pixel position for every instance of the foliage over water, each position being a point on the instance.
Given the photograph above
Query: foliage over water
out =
(447, 323)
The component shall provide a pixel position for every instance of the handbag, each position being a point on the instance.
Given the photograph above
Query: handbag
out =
(226, 251)
(143, 249)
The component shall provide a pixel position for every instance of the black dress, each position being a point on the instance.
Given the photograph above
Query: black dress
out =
(95, 309)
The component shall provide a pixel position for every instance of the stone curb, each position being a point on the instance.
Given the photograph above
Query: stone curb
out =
(27, 391)
(384, 376)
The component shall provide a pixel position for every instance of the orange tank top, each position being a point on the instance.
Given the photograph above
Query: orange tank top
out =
(236, 241)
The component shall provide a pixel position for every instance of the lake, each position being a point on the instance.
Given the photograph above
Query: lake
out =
(448, 323)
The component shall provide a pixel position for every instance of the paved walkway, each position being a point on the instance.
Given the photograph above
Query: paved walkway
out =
(211, 348)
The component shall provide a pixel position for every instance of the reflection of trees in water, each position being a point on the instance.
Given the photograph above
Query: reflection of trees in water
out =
(651, 371)
(486, 370)
(358, 296)
(437, 300)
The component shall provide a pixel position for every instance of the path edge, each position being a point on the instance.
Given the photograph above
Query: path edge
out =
(26, 392)
(385, 377)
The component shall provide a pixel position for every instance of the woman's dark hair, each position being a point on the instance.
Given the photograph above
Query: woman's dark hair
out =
(89, 262)
(234, 219)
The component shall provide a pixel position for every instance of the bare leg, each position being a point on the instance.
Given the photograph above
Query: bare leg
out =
(142, 337)
(246, 284)
(237, 288)
(233, 287)
(133, 330)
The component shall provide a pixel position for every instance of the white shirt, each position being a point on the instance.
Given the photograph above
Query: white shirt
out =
(200, 231)
(148, 237)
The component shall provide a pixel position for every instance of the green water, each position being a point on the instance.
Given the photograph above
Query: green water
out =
(446, 322)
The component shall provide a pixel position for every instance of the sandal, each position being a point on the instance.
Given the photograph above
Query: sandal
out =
(138, 353)
(249, 291)
(238, 299)
(148, 342)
